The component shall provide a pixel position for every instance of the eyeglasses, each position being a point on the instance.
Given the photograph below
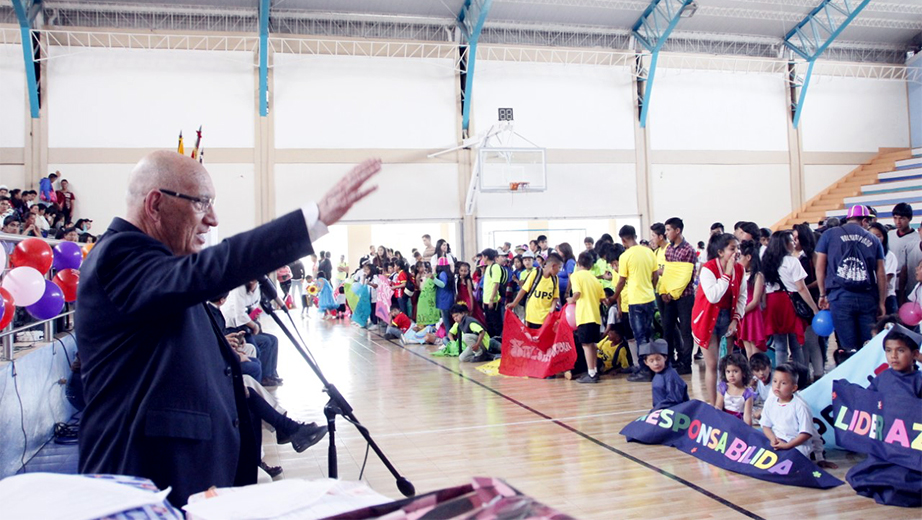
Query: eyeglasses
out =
(200, 204)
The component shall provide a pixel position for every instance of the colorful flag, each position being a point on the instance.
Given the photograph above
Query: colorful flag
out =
(180, 149)
(198, 142)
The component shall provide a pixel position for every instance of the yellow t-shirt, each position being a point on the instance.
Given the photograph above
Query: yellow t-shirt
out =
(493, 277)
(590, 295)
(625, 303)
(542, 300)
(637, 264)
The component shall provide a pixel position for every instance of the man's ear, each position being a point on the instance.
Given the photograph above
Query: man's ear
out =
(152, 205)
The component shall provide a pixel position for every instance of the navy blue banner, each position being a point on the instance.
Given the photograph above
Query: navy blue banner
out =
(886, 426)
(722, 440)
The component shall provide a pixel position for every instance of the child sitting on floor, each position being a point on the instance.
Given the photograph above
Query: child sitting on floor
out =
(734, 395)
(786, 418)
(474, 338)
(761, 367)
(402, 327)
(668, 387)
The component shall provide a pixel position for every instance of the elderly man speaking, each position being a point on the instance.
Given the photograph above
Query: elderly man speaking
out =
(164, 391)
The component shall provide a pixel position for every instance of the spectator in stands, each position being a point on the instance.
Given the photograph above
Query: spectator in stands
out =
(902, 241)
(67, 202)
(46, 186)
(4, 190)
(30, 227)
(851, 278)
(240, 312)
(6, 207)
(83, 229)
(69, 234)
(10, 227)
(41, 219)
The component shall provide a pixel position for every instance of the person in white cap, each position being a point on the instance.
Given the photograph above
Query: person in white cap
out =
(851, 278)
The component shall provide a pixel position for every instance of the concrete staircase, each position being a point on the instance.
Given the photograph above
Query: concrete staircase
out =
(894, 175)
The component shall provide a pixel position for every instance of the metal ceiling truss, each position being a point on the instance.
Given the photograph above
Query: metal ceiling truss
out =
(26, 12)
(651, 31)
(809, 38)
(471, 20)
(510, 35)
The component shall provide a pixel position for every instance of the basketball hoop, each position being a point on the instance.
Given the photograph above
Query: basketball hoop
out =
(514, 186)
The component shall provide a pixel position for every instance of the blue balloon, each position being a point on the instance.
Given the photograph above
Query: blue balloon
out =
(822, 323)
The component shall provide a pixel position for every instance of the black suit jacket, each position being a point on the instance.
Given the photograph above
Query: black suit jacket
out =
(164, 392)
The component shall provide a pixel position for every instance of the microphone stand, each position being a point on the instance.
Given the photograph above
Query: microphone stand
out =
(337, 405)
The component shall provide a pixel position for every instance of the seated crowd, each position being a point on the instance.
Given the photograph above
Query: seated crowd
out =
(47, 213)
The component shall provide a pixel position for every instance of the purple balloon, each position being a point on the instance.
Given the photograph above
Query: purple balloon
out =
(67, 255)
(50, 304)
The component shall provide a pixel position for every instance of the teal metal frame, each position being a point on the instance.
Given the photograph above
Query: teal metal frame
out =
(264, 57)
(652, 30)
(26, 11)
(810, 38)
(470, 21)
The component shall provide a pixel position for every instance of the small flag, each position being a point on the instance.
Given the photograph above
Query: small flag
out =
(198, 141)
(180, 149)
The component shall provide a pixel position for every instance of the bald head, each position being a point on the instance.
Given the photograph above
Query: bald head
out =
(171, 218)
(162, 169)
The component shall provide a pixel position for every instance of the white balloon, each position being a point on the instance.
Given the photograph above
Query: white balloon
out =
(25, 284)
(2, 258)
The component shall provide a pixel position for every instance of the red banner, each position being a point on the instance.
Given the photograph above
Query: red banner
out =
(537, 352)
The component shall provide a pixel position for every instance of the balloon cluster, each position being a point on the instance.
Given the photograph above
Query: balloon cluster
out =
(25, 285)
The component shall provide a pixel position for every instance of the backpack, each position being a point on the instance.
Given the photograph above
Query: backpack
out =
(534, 285)
(504, 278)
(852, 272)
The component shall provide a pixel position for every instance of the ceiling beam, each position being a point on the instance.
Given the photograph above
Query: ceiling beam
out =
(471, 20)
(810, 38)
(652, 30)
(26, 12)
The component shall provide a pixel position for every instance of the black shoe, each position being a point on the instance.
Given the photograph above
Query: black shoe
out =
(268, 382)
(586, 378)
(306, 436)
(273, 471)
(642, 376)
(699, 355)
(683, 369)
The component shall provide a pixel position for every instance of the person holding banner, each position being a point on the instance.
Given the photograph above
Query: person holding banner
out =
(541, 290)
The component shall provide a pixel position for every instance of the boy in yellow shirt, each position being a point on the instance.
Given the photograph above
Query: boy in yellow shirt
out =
(638, 275)
(543, 293)
(587, 294)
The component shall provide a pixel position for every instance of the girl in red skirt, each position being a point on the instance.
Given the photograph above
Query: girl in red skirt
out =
(784, 279)
(752, 328)
(719, 304)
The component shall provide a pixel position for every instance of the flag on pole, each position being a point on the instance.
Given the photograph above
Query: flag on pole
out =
(198, 142)
(180, 149)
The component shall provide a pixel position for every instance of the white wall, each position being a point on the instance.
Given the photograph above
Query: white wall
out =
(101, 190)
(405, 191)
(818, 177)
(361, 102)
(704, 194)
(126, 98)
(13, 175)
(573, 190)
(713, 110)
(13, 97)
(854, 115)
(557, 106)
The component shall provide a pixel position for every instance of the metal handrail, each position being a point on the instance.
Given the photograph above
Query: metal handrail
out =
(19, 238)
(33, 324)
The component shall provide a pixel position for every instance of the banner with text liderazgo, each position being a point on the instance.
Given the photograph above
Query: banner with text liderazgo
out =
(887, 426)
(722, 440)
(537, 353)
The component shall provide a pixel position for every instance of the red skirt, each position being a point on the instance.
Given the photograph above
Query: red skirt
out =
(780, 318)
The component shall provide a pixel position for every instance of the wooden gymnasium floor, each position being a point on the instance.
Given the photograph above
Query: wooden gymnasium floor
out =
(555, 440)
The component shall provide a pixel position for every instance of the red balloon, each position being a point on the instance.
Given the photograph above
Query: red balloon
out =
(8, 308)
(67, 280)
(34, 253)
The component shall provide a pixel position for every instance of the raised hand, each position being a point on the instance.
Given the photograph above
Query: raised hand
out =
(348, 191)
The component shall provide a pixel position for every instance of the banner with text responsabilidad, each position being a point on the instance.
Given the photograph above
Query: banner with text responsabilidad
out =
(887, 426)
(537, 353)
(722, 440)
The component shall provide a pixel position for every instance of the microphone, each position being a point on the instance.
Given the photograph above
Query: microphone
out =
(267, 290)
